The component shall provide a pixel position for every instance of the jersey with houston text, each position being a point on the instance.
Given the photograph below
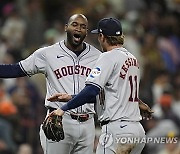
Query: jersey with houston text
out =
(117, 73)
(64, 71)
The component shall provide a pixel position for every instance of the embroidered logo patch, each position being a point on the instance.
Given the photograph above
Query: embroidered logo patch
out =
(95, 72)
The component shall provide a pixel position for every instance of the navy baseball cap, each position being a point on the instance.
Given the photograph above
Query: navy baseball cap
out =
(108, 26)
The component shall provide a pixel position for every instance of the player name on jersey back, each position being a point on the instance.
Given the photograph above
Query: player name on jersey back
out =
(128, 63)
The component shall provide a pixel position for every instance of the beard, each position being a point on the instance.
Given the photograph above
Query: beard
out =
(72, 41)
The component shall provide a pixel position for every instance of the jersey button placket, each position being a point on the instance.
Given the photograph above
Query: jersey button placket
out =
(77, 82)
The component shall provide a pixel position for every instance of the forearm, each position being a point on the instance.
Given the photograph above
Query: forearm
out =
(140, 102)
(142, 105)
(82, 98)
(92, 100)
(11, 71)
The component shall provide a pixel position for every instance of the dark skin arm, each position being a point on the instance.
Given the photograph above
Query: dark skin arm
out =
(146, 111)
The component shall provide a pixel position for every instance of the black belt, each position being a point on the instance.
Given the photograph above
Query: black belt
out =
(79, 117)
(76, 116)
(105, 122)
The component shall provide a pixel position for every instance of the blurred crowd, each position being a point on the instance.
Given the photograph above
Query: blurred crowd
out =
(152, 34)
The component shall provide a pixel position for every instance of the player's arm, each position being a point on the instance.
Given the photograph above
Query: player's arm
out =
(64, 97)
(146, 111)
(11, 71)
(82, 98)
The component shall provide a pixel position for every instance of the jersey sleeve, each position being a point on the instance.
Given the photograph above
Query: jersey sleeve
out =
(35, 63)
(101, 72)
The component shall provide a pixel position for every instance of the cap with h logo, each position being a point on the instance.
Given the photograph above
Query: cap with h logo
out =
(109, 27)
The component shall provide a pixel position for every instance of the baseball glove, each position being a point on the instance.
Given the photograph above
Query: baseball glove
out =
(53, 128)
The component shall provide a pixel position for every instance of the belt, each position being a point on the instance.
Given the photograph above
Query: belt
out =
(105, 122)
(81, 117)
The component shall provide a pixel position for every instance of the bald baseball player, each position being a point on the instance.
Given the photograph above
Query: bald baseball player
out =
(66, 65)
(115, 78)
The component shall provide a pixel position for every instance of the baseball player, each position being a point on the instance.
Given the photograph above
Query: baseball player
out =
(115, 78)
(66, 66)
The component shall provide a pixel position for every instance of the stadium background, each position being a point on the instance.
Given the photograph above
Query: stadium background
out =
(152, 34)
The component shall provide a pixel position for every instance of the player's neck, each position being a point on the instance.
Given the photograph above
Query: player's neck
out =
(73, 48)
(109, 48)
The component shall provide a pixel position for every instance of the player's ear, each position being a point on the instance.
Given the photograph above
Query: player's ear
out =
(65, 28)
(101, 36)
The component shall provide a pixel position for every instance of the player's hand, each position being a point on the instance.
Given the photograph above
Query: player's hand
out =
(61, 97)
(146, 111)
(58, 112)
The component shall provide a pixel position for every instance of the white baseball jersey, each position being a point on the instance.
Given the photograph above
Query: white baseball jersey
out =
(117, 72)
(61, 67)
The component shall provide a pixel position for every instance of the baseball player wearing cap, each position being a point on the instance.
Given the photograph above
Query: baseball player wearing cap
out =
(66, 66)
(115, 79)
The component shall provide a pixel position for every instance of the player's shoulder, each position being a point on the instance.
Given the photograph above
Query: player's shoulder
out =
(53, 46)
(122, 51)
(130, 54)
(116, 54)
(105, 56)
(48, 48)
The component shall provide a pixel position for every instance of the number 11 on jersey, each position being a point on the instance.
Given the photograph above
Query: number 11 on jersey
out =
(133, 86)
